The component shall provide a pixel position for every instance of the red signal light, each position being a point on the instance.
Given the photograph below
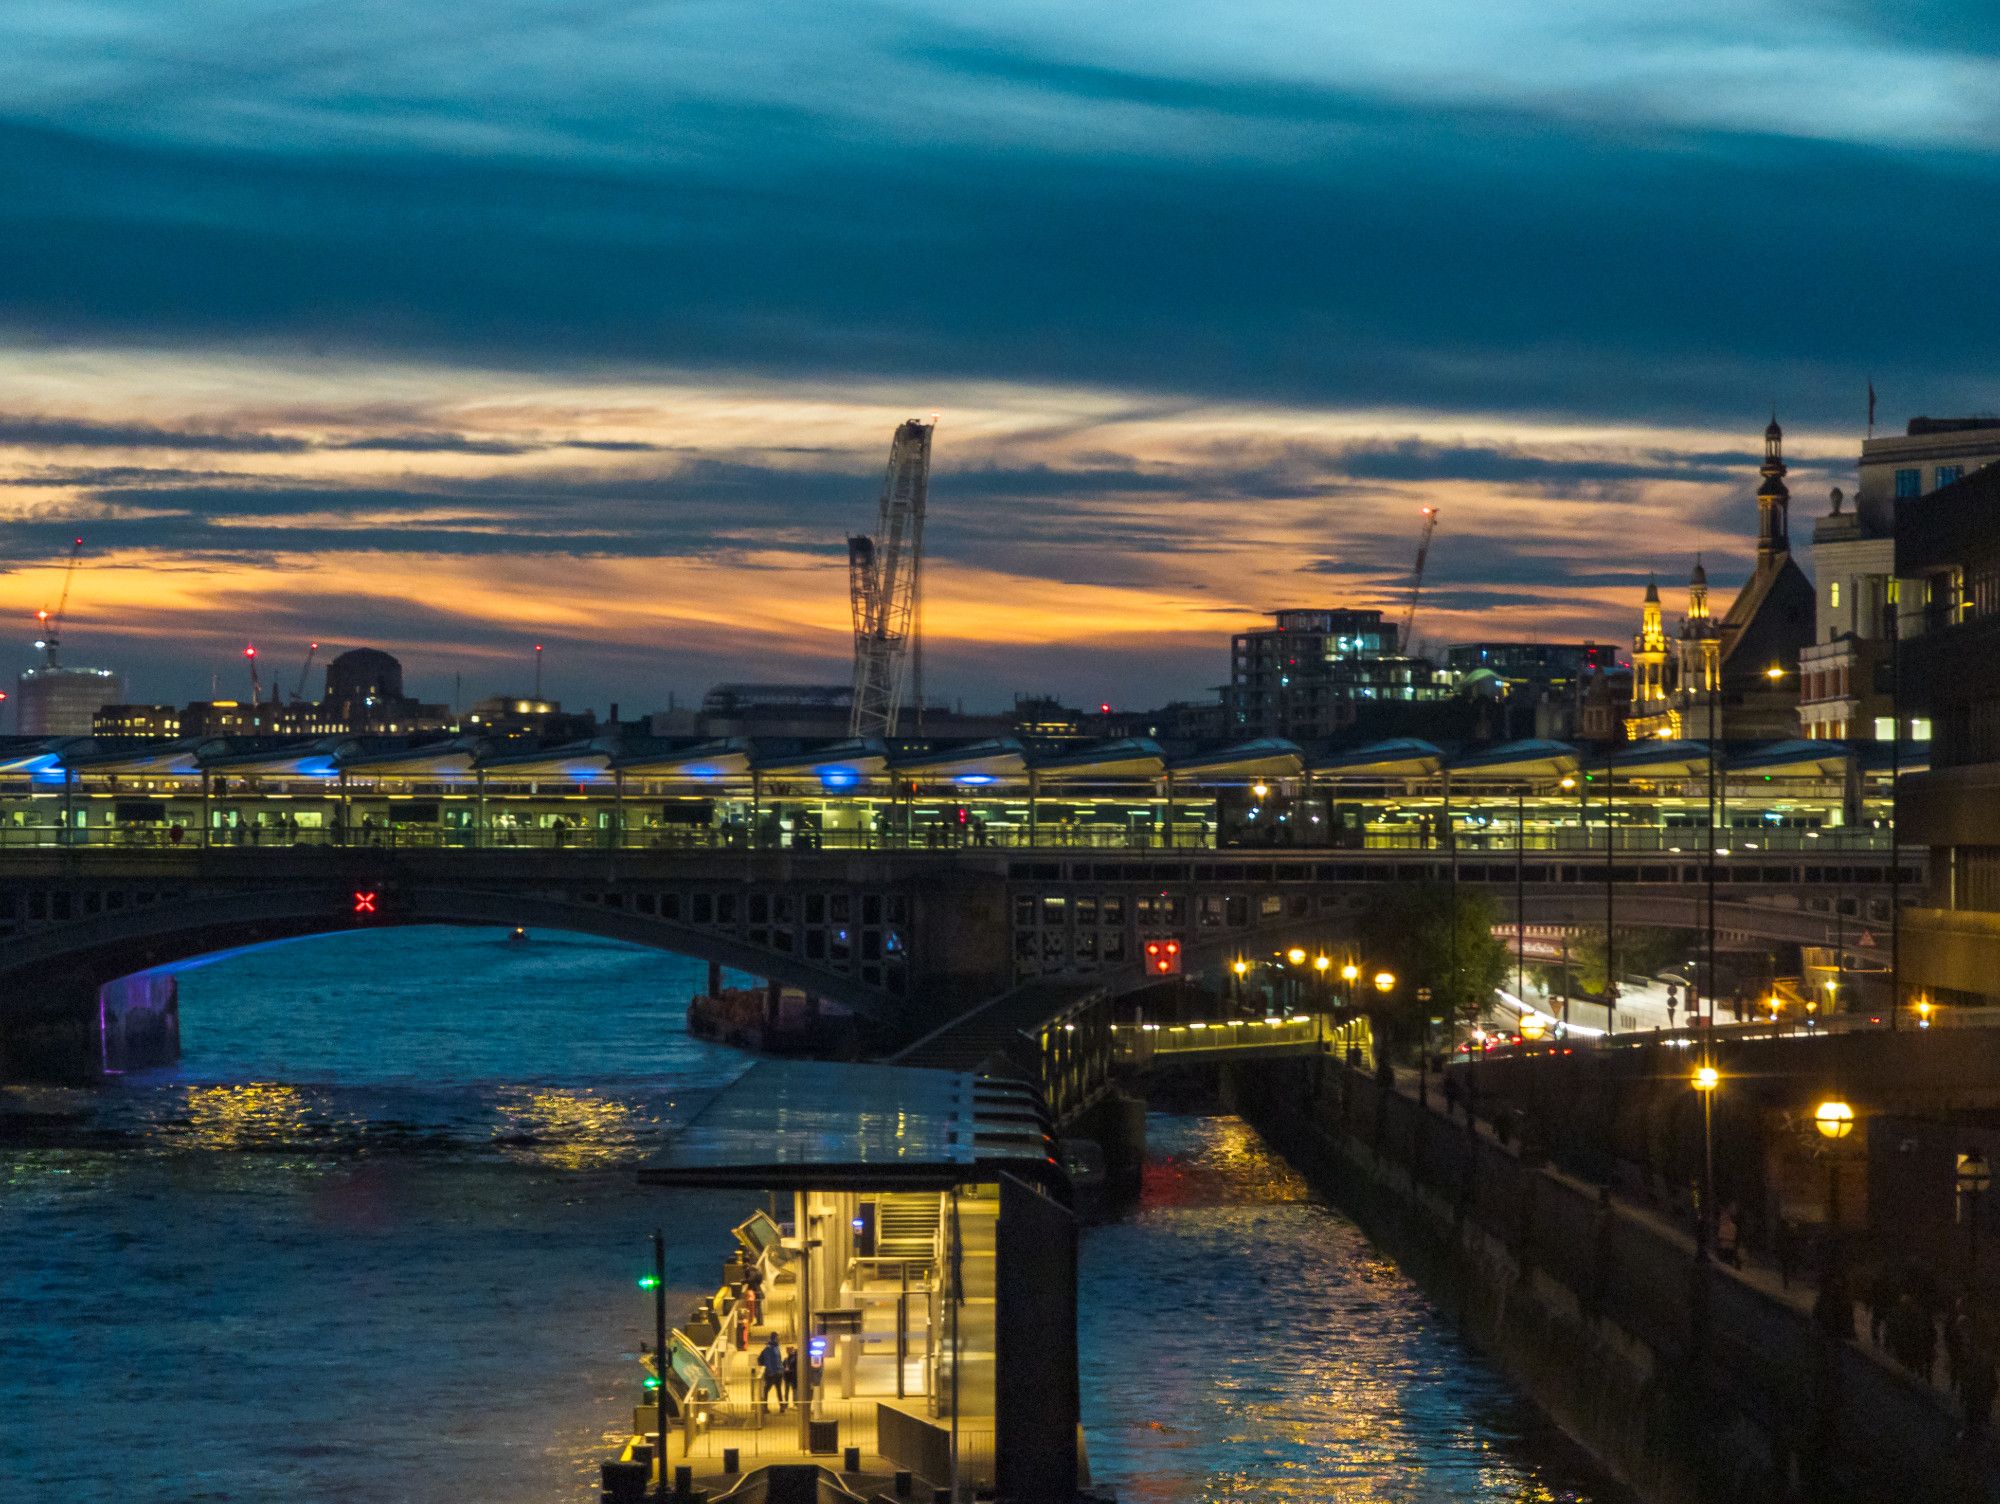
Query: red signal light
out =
(1163, 958)
(364, 903)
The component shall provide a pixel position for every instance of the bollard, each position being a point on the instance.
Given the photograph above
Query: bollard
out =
(940, 1496)
(903, 1483)
(683, 1481)
(732, 1459)
(851, 1459)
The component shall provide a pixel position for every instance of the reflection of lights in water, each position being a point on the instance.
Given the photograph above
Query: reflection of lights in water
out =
(566, 1129)
(255, 1114)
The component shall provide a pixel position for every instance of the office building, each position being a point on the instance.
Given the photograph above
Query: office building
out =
(1844, 674)
(1319, 673)
(51, 701)
(1948, 561)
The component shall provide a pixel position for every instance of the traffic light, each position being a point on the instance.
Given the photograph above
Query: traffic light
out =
(1163, 958)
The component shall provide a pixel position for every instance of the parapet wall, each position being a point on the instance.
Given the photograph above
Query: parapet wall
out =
(1686, 1380)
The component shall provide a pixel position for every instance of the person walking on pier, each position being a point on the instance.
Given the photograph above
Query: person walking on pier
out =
(771, 1363)
(791, 1376)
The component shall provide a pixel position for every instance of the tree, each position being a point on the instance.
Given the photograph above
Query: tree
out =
(1409, 930)
(1641, 953)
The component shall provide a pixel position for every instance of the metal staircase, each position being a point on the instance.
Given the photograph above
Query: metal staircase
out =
(906, 1225)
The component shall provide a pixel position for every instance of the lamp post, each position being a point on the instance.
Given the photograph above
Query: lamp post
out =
(656, 1283)
(1834, 1120)
(1974, 1178)
(1385, 983)
(1706, 1079)
(1321, 964)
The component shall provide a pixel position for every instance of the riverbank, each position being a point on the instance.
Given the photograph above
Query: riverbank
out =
(1685, 1380)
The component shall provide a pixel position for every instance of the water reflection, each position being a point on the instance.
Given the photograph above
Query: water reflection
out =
(567, 1129)
(1242, 1341)
(254, 1115)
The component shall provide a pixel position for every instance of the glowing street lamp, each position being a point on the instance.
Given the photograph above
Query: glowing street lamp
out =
(1320, 963)
(1385, 981)
(1350, 972)
(1834, 1119)
(1296, 956)
(1706, 1079)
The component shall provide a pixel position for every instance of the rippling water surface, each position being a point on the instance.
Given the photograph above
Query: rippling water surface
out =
(373, 1240)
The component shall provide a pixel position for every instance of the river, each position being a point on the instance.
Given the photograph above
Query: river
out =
(374, 1240)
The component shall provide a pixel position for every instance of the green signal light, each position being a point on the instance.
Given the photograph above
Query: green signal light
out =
(649, 1282)
(650, 1382)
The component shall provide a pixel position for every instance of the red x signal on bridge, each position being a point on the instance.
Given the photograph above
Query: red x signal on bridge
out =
(364, 903)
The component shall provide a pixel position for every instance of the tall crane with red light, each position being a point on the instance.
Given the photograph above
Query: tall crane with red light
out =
(50, 641)
(256, 686)
(312, 652)
(1417, 579)
(885, 586)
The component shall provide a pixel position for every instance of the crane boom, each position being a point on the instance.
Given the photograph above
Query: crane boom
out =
(311, 653)
(884, 573)
(1417, 578)
(51, 643)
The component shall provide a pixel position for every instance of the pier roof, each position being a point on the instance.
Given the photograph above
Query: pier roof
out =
(802, 1124)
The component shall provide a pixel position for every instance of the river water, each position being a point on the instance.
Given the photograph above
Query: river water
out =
(374, 1240)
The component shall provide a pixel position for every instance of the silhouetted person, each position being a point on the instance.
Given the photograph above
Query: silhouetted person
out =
(771, 1364)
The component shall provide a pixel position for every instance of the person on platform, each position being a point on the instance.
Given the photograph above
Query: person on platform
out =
(791, 1376)
(771, 1364)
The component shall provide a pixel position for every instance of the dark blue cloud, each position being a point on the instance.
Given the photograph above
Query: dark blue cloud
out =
(1378, 253)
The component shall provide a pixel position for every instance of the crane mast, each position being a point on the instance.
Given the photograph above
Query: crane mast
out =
(884, 575)
(51, 622)
(1417, 579)
(312, 652)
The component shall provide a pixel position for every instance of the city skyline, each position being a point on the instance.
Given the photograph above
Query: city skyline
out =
(371, 336)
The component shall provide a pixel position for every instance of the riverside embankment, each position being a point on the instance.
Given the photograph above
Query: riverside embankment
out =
(1690, 1381)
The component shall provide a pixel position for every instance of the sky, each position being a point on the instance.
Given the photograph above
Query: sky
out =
(453, 326)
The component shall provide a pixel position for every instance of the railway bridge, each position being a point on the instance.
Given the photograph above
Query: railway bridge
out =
(908, 939)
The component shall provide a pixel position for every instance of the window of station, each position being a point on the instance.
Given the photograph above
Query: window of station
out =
(1909, 483)
(1946, 474)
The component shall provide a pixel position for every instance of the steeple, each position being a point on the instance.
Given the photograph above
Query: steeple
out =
(1649, 651)
(1698, 592)
(1774, 499)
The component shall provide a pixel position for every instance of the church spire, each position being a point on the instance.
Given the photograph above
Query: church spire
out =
(1774, 499)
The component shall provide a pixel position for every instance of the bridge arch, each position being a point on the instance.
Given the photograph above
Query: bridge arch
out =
(52, 1018)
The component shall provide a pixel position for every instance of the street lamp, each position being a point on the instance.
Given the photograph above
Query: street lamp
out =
(1974, 1177)
(1296, 956)
(1706, 1080)
(1385, 981)
(1835, 1121)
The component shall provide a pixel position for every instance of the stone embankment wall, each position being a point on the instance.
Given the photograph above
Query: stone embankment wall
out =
(1691, 1382)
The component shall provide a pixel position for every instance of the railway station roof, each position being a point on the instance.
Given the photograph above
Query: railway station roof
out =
(314, 757)
(837, 766)
(1126, 757)
(704, 762)
(803, 1124)
(440, 760)
(1401, 757)
(569, 762)
(91, 757)
(1266, 757)
(1524, 759)
(1796, 759)
(977, 764)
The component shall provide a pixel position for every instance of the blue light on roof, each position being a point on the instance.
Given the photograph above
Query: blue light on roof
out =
(702, 770)
(976, 780)
(838, 778)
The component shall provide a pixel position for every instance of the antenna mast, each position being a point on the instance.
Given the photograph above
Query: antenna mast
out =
(884, 574)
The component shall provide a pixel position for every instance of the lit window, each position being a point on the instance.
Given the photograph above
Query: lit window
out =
(1885, 728)
(1909, 483)
(1920, 728)
(1833, 595)
(1946, 474)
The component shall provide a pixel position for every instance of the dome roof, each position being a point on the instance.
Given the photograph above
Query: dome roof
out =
(1698, 575)
(367, 658)
(1774, 432)
(1774, 487)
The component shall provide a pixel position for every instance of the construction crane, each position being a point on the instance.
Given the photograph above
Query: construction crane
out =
(256, 687)
(885, 582)
(312, 652)
(50, 641)
(1417, 579)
